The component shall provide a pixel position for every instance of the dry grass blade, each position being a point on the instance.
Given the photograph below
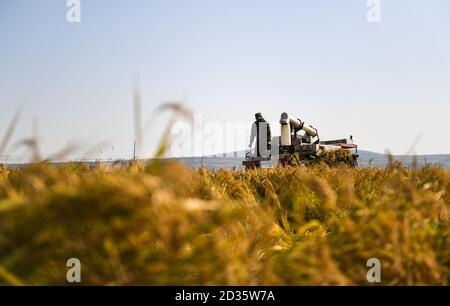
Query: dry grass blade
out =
(177, 109)
(9, 132)
(10, 278)
(33, 146)
(413, 145)
(137, 113)
(62, 154)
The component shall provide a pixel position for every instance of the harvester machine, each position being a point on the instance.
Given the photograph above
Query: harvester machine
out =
(297, 147)
(300, 144)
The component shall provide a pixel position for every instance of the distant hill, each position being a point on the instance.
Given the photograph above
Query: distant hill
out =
(234, 160)
(366, 159)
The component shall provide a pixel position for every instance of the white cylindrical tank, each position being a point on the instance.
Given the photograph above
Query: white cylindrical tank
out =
(285, 135)
(287, 123)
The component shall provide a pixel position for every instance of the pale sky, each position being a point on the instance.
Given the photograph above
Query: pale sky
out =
(387, 84)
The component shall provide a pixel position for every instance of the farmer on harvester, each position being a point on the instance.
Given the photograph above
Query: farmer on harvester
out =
(261, 131)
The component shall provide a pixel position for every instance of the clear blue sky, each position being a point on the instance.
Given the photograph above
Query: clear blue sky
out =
(387, 84)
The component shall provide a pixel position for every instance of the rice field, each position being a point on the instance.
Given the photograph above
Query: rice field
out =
(165, 224)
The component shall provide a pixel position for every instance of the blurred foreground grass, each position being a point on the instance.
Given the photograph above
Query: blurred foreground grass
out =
(173, 225)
